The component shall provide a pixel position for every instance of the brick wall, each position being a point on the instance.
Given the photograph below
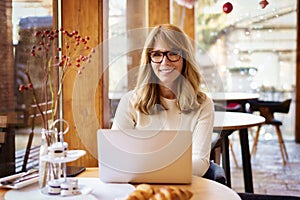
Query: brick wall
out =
(7, 86)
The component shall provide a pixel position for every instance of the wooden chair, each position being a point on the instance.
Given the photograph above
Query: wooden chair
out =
(35, 118)
(3, 135)
(3, 125)
(267, 110)
(7, 147)
(216, 143)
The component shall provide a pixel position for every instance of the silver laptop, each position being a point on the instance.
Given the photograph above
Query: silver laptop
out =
(143, 156)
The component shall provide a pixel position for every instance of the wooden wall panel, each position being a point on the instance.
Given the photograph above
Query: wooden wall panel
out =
(136, 19)
(184, 18)
(189, 23)
(86, 17)
(159, 12)
(297, 87)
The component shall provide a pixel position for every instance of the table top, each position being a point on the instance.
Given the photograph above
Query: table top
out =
(233, 96)
(202, 188)
(236, 120)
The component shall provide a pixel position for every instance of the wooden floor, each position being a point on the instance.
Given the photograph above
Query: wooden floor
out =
(270, 176)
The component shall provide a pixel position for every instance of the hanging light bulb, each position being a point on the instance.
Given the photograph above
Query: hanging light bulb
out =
(263, 3)
(227, 7)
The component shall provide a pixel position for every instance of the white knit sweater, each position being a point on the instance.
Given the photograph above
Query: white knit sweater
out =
(200, 122)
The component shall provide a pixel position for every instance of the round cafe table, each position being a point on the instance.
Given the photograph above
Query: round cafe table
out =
(202, 188)
(233, 97)
(226, 123)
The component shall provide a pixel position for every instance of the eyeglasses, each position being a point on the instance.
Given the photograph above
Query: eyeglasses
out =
(158, 56)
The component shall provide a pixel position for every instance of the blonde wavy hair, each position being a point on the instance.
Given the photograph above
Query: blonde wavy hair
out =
(188, 93)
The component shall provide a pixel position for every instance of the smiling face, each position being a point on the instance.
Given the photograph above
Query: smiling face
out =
(167, 71)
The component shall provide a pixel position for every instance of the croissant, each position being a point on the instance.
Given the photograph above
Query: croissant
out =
(142, 192)
(146, 192)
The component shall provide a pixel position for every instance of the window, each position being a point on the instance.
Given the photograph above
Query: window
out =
(22, 19)
(127, 22)
(117, 47)
(253, 49)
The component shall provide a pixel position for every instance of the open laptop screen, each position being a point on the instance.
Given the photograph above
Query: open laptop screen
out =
(145, 156)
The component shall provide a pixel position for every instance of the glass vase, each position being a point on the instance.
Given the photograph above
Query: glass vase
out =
(48, 138)
(48, 171)
(53, 151)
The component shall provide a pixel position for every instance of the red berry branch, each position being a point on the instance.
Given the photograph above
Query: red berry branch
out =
(73, 56)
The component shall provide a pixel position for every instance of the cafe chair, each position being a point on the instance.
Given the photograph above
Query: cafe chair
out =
(3, 127)
(215, 152)
(267, 109)
(6, 151)
(216, 173)
(232, 107)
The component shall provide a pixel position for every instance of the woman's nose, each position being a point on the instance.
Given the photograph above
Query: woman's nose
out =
(165, 60)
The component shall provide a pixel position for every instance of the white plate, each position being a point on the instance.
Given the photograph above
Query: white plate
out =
(92, 189)
(71, 156)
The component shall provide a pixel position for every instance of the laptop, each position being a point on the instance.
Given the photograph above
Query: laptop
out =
(145, 156)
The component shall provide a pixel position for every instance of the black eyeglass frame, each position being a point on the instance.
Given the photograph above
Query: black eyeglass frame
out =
(165, 54)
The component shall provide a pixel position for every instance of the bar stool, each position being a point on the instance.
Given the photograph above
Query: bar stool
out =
(267, 110)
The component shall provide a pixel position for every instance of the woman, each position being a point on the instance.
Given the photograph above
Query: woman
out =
(167, 95)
